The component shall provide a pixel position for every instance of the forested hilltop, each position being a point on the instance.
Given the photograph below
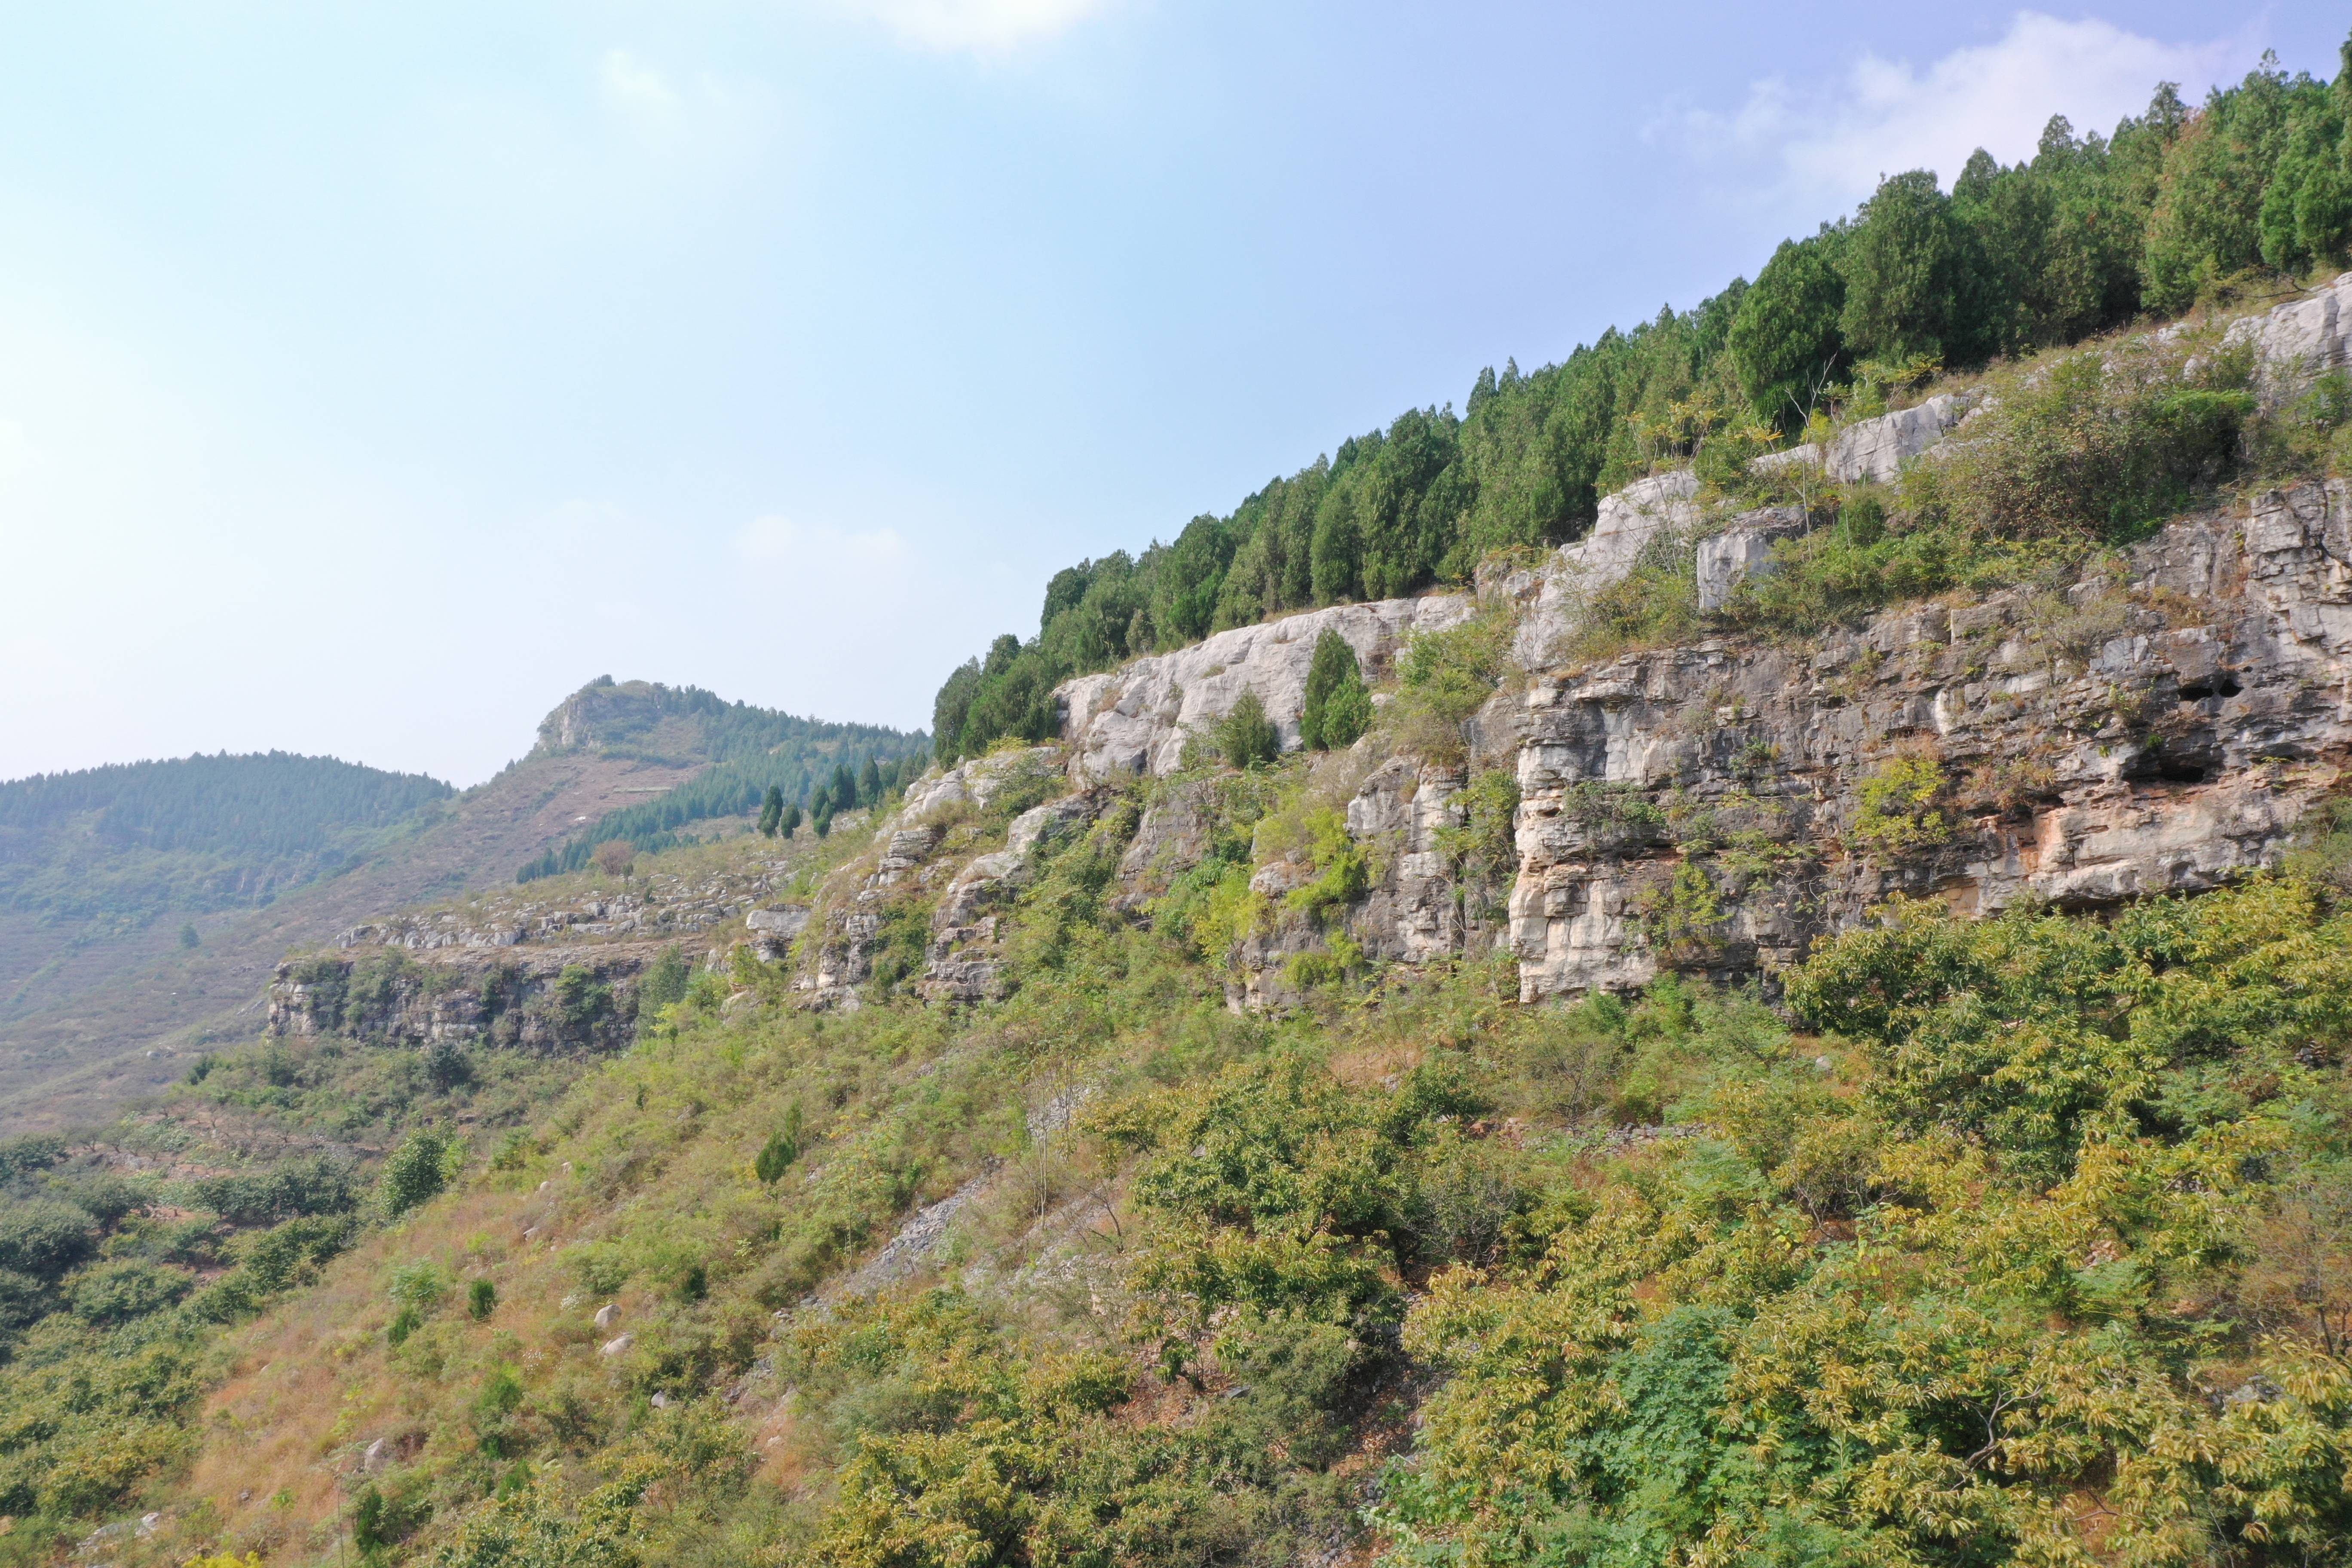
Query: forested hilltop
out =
(140, 839)
(2177, 204)
(749, 752)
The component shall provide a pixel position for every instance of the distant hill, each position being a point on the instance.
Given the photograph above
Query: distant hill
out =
(105, 874)
(139, 840)
(750, 750)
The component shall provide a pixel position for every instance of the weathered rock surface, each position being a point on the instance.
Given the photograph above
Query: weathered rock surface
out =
(1136, 719)
(1627, 519)
(1743, 549)
(2159, 732)
(1875, 450)
(976, 784)
(579, 999)
(2299, 341)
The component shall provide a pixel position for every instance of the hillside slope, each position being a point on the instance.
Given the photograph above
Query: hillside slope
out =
(117, 1013)
(1807, 1022)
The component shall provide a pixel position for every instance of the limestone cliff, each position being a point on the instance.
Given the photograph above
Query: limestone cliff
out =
(2160, 723)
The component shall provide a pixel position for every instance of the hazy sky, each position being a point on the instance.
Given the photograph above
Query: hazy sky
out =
(370, 377)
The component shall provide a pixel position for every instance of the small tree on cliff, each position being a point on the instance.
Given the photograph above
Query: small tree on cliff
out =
(1247, 737)
(1339, 707)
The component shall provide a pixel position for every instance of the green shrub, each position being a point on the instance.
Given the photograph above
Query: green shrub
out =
(783, 1147)
(44, 1237)
(297, 1188)
(416, 1172)
(664, 982)
(1443, 678)
(2090, 448)
(1338, 706)
(1245, 736)
(119, 1292)
(1896, 807)
(481, 1299)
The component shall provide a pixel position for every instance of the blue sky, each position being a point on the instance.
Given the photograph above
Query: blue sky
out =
(372, 377)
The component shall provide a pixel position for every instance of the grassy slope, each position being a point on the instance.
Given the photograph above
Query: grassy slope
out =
(1194, 1325)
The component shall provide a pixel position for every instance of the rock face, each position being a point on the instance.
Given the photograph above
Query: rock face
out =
(1625, 523)
(1743, 549)
(1134, 720)
(2297, 343)
(1704, 807)
(583, 999)
(1875, 450)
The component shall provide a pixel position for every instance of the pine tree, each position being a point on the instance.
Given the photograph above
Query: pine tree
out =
(788, 821)
(1904, 268)
(772, 810)
(1784, 343)
(869, 783)
(1247, 737)
(1337, 707)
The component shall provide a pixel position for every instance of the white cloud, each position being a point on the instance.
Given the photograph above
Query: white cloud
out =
(1835, 137)
(981, 27)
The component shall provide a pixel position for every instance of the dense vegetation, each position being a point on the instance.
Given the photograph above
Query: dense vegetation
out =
(2177, 205)
(2038, 1250)
(752, 751)
(196, 834)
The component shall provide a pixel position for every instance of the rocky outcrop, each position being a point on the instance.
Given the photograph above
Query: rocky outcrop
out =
(581, 999)
(1873, 451)
(2160, 732)
(1743, 549)
(2297, 343)
(924, 878)
(961, 962)
(1626, 521)
(1136, 719)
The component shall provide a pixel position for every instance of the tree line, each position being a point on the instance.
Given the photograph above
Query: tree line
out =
(795, 780)
(2177, 204)
(268, 804)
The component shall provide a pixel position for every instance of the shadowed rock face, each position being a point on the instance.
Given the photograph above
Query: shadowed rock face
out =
(1136, 719)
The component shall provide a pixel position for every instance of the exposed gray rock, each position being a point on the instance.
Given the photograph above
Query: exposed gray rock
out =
(2158, 734)
(2297, 343)
(1136, 719)
(1171, 839)
(907, 1252)
(975, 783)
(1876, 449)
(514, 998)
(1625, 523)
(1743, 549)
(787, 922)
